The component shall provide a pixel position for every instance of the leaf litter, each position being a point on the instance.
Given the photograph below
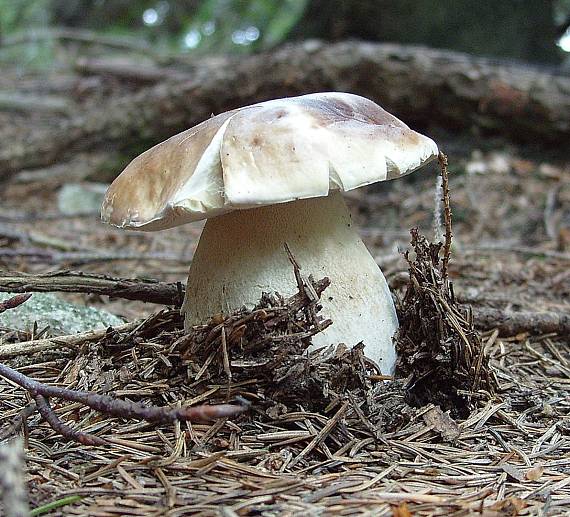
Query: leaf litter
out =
(473, 422)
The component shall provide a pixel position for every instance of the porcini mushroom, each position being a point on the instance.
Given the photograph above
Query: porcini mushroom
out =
(269, 174)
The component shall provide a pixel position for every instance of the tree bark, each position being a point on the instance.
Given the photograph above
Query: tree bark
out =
(424, 87)
(511, 323)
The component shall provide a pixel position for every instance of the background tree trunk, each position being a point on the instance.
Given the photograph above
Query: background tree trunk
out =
(510, 28)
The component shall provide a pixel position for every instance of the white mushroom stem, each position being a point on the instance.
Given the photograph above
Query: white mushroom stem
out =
(241, 254)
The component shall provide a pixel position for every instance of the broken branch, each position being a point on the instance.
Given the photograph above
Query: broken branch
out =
(512, 323)
(75, 282)
(72, 341)
(15, 301)
(110, 406)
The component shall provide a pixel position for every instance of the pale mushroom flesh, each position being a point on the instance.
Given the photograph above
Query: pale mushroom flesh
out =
(270, 174)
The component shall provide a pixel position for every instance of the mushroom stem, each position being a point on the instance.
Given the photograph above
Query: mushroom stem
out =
(241, 254)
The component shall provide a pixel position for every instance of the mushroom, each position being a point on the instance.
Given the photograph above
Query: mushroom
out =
(269, 174)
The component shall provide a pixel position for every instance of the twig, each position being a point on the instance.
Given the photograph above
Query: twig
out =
(72, 341)
(440, 352)
(76, 282)
(306, 287)
(438, 201)
(11, 429)
(323, 433)
(512, 323)
(15, 301)
(117, 407)
(226, 356)
(110, 406)
(48, 414)
(446, 213)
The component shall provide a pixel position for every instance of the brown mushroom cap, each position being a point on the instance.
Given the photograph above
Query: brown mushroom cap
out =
(272, 152)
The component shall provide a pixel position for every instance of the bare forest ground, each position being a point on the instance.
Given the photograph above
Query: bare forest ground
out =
(371, 454)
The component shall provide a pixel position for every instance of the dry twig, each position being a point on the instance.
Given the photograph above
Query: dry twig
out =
(440, 352)
(15, 301)
(77, 282)
(111, 406)
(446, 214)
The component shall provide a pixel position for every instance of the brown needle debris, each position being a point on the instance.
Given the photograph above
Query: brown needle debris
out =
(325, 434)
(440, 353)
(103, 403)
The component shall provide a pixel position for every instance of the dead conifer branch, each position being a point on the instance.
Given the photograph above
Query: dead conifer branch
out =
(110, 406)
(441, 354)
(510, 323)
(48, 414)
(18, 422)
(77, 282)
(277, 326)
(72, 341)
(446, 213)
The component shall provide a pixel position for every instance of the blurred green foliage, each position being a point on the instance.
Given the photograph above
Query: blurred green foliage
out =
(523, 29)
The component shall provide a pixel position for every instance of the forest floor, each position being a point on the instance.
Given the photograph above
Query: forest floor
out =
(509, 456)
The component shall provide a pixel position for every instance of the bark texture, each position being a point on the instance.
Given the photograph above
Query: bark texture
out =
(512, 323)
(422, 86)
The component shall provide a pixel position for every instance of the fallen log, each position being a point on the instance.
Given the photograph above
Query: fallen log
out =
(423, 86)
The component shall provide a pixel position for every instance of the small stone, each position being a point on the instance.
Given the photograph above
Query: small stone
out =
(62, 317)
(81, 198)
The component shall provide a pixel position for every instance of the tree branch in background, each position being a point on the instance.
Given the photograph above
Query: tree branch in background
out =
(421, 85)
